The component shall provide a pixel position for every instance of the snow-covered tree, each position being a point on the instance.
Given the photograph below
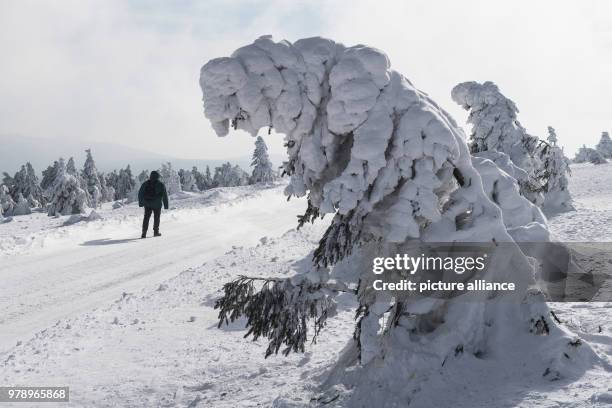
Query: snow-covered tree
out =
(496, 129)
(71, 167)
(142, 177)
(227, 175)
(92, 181)
(22, 207)
(170, 177)
(125, 183)
(49, 176)
(555, 169)
(394, 171)
(25, 183)
(33, 191)
(67, 196)
(589, 155)
(7, 180)
(203, 180)
(107, 192)
(604, 147)
(7, 204)
(188, 181)
(262, 166)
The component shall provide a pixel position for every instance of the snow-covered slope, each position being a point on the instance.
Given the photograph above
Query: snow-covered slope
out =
(158, 344)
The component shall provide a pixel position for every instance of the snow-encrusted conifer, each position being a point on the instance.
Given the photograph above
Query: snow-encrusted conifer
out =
(142, 177)
(67, 196)
(108, 192)
(227, 175)
(200, 178)
(71, 167)
(32, 190)
(262, 166)
(92, 180)
(555, 169)
(22, 207)
(49, 176)
(170, 177)
(125, 183)
(188, 181)
(604, 147)
(589, 155)
(496, 129)
(394, 171)
(7, 204)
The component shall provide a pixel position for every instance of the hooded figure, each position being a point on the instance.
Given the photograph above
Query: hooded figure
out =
(151, 195)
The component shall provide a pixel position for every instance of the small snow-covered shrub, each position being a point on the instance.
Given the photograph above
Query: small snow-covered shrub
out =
(394, 172)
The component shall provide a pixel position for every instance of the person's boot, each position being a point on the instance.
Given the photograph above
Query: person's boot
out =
(144, 235)
(157, 234)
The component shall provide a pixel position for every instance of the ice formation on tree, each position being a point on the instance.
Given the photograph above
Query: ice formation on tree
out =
(604, 147)
(227, 175)
(67, 196)
(125, 183)
(188, 181)
(393, 169)
(25, 182)
(7, 204)
(92, 180)
(590, 155)
(49, 176)
(170, 178)
(555, 169)
(22, 207)
(203, 180)
(262, 166)
(495, 129)
(107, 192)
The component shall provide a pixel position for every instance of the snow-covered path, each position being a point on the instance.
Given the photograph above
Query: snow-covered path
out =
(94, 265)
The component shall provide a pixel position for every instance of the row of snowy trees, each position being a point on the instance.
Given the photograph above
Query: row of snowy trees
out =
(395, 173)
(64, 190)
(599, 155)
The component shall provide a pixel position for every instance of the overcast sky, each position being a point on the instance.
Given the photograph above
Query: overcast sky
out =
(127, 71)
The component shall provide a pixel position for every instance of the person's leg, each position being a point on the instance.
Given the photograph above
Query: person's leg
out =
(145, 220)
(156, 217)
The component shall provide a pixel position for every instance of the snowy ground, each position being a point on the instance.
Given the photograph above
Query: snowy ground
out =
(130, 323)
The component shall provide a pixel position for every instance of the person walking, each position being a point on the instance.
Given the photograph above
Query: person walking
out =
(151, 195)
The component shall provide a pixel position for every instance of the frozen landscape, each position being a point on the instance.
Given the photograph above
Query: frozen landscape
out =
(410, 215)
(92, 307)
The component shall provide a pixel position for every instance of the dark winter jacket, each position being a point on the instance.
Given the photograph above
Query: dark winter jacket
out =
(153, 192)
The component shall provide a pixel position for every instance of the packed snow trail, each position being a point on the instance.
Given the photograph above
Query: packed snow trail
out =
(93, 266)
